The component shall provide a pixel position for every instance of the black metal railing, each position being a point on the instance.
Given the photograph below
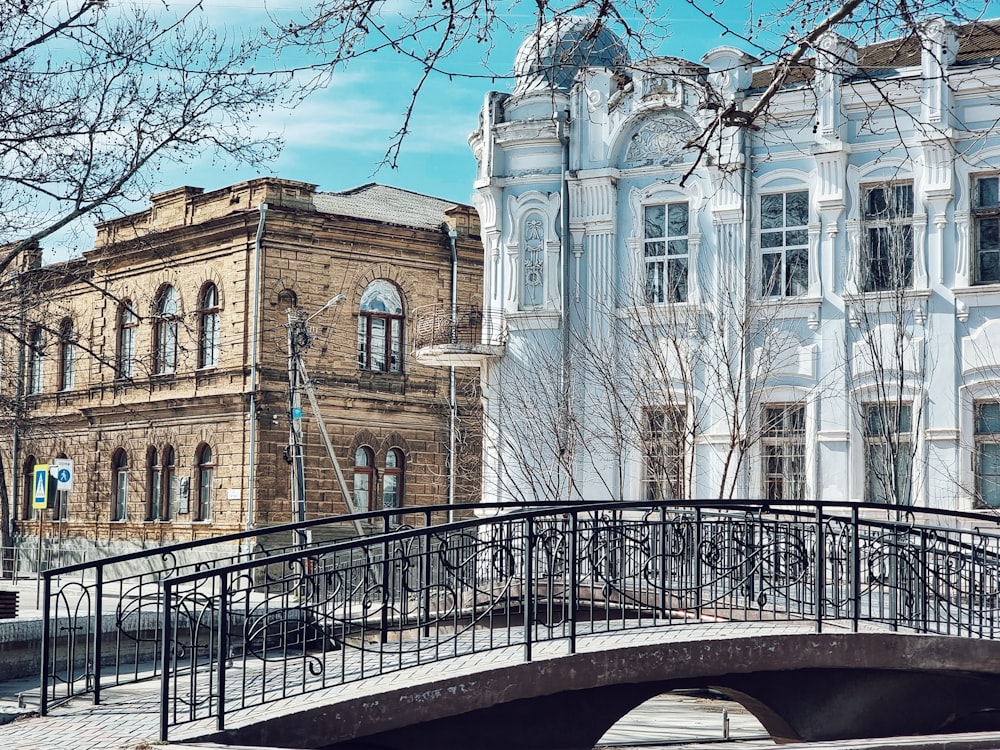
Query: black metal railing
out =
(102, 619)
(440, 325)
(250, 630)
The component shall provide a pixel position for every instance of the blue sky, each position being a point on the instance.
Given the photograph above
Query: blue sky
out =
(338, 137)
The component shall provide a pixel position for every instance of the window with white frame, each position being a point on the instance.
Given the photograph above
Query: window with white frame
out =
(380, 328)
(67, 355)
(127, 323)
(665, 250)
(986, 211)
(663, 446)
(165, 331)
(392, 479)
(784, 244)
(888, 453)
(208, 333)
(36, 360)
(987, 459)
(206, 484)
(119, 485)
(887, 262)
(783, 449)
(364, 479)
(154, 485)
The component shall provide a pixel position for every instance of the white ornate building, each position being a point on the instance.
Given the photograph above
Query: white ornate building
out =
(691, 305)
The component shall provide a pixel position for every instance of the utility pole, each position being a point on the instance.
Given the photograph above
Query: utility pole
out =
(298, 342)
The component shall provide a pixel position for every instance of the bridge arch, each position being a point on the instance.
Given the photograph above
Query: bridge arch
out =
(801, 686)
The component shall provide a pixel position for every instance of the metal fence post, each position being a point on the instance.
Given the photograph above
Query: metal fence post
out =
(165, 630)
(820, 568)
(99, 629)
(527, 599)
(46, 655)
(574, 530)
(223, 648)
(855, 571)
(698, 521)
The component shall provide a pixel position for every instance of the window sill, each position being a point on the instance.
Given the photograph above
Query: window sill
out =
(980, 294)
(525, 320)
(789, 307)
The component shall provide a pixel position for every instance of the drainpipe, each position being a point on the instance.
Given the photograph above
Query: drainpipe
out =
(257, 251)
(452, 397)
(748, 292)
(565, 373)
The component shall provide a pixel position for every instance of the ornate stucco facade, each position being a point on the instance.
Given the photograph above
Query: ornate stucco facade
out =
(158, 362)
(697, 303)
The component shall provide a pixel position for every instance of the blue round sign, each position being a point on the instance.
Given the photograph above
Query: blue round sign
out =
(63, 475)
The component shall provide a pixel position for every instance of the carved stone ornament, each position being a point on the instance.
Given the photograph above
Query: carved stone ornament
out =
(660, 141)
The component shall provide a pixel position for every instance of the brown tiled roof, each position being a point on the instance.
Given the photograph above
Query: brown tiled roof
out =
(978, 41)
(385, 204)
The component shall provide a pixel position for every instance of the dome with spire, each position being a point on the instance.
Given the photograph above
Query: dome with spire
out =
(551, 57)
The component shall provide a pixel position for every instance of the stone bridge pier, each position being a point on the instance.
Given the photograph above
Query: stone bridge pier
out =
(801, 686)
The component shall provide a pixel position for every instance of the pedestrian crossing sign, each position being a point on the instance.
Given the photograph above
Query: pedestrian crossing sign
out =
(40, 497)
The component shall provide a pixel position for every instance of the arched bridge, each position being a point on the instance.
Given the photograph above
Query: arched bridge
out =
(827, 621)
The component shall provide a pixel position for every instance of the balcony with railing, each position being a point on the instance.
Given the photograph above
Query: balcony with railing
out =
(460, 338)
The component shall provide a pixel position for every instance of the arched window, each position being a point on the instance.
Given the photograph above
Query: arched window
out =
(208, 331)
(206, 479)
(67, 355)
(154, 484)
(28, 480)
(36, 360)
(287, 299)
(119, 485)
(392, 479)
(169, 491)
(165, 328)
(380, 329)
(127, 322)
(364, 479)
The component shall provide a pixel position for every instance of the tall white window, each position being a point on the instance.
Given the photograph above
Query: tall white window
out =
(208, 333)
(67, 355)
(127, 323)
(665, 250)
(986, 210)
(888, 237)
(119, 485)
(392, 479)
(784, 244)
(663, 446)
(206, 484)
(154, 485)
(364, 479)
(888, 453)
(170, 485)
(380, 328)
(165, 328)
(783, 449)
(36, 360)
(987, 460)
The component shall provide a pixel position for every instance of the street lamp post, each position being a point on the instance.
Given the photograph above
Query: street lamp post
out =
(298, 342)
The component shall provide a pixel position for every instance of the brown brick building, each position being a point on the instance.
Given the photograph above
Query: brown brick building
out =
(158, 362)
